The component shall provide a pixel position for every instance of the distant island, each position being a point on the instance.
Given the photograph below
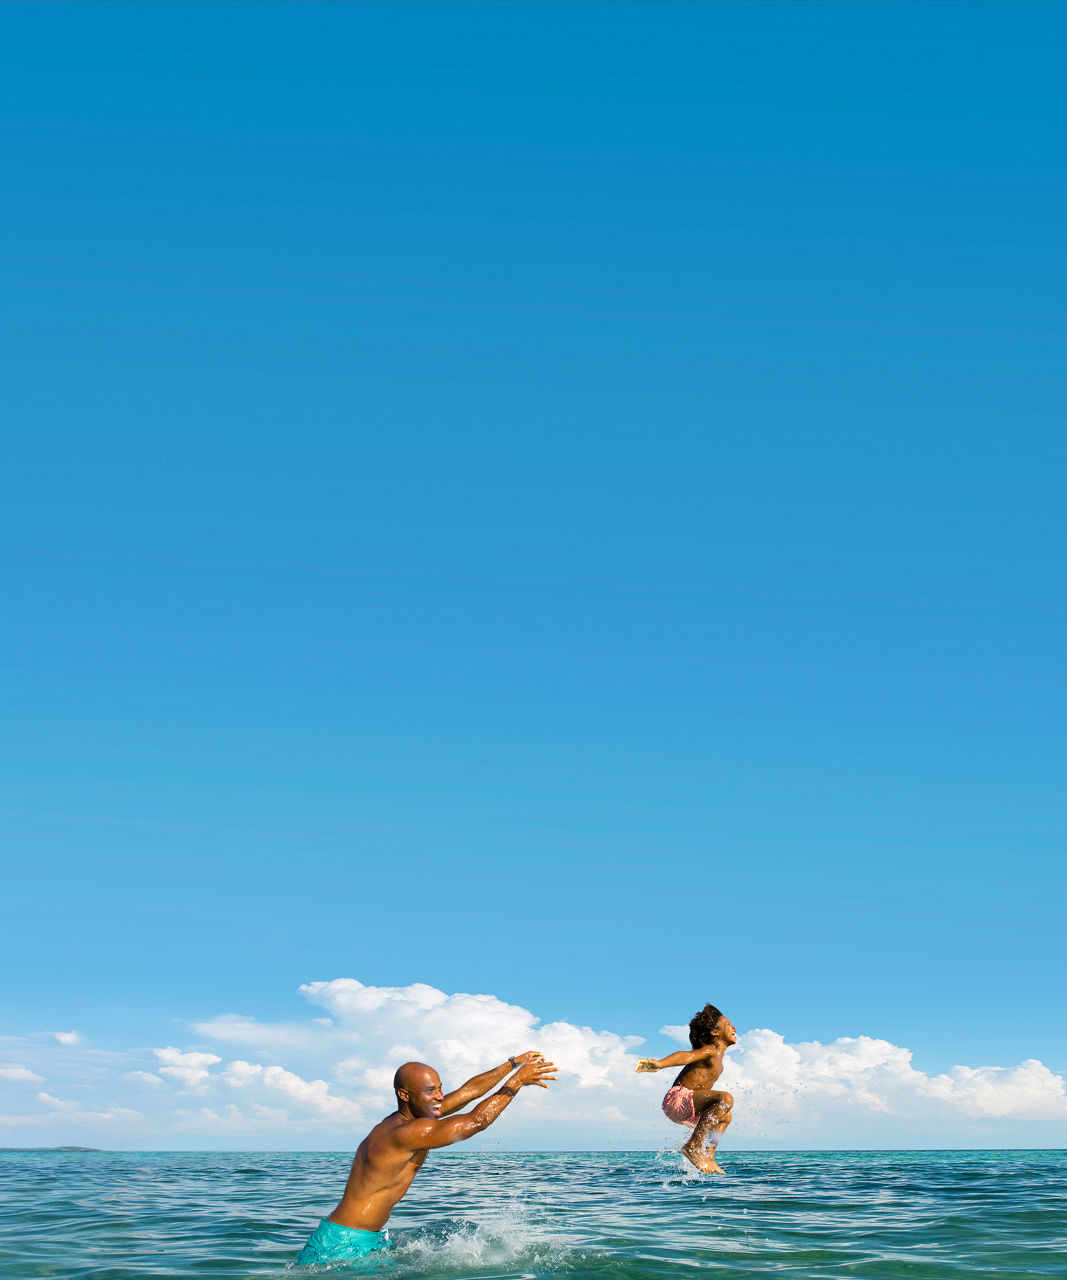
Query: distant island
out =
(51, 1148)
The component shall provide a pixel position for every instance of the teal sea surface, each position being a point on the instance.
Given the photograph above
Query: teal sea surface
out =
(605, 1216)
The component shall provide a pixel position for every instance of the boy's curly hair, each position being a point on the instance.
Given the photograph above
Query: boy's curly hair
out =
(702, 1026)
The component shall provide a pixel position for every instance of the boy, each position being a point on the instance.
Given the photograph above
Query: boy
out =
(692, 1100)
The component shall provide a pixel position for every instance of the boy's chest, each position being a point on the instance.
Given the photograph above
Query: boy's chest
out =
(702, 1075)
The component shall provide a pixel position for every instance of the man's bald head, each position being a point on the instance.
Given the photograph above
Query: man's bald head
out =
(421, 1086)
(411, 1074)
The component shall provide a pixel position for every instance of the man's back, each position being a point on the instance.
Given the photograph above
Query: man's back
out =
(382, 1170)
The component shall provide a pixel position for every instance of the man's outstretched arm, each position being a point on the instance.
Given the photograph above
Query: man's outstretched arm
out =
(479, 1085)
(425, 1135)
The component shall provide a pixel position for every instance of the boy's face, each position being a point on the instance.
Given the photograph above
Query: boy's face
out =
(727, 1030)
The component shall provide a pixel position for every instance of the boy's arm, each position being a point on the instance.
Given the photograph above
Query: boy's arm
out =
(477, 1085)
(426, 1135)
(682, 1058)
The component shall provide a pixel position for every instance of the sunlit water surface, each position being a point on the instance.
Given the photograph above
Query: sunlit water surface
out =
(907, 1215)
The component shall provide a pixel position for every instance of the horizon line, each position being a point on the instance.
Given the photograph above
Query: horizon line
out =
(559, 1151)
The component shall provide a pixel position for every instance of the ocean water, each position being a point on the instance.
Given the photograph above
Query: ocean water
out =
(605, 1216)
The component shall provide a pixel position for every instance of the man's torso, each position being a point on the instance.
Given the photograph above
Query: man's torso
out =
(382, 1171)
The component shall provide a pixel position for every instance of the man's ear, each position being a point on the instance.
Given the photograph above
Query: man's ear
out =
(403, 1095)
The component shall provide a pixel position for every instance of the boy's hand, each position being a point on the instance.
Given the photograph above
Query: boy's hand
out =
(646, 1064)
(539, 1072)
(531, 1055)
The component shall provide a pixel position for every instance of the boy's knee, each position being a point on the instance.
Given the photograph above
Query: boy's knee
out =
(726, 1100)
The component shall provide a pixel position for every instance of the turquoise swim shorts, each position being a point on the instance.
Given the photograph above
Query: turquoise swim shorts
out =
(330, 1242)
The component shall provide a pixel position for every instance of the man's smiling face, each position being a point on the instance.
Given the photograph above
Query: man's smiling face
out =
(425, 1095)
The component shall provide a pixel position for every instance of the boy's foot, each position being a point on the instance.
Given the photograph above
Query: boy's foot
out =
(703, 1160)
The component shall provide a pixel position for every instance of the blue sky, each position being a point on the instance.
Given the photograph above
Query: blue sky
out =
(562, 502)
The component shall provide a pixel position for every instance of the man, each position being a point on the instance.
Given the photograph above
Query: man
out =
(393, 1152)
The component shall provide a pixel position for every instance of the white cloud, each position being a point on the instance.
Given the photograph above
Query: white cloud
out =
(350, 1070)
(777, 1083)
(1029, 1091)
(236, 1028)
(231, 1119)
(66, 1037)
(312, 1095)
(189, 1069)
(463, 1034)
(143, 1077)
(781, 1082)
(9, 1071)
(82, 1122)
(680, 1034)
(57, 1104)
(63, 1108)
(323, 1080)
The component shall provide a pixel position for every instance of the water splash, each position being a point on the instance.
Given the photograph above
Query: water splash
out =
(676, 1170)
(509, 1238)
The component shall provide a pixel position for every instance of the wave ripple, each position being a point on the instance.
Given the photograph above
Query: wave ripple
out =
(605, 1216)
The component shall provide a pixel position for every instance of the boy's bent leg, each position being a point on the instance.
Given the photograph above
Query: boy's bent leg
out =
(715, 1111)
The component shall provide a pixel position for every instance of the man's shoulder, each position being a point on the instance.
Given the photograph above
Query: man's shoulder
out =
(396, 1131)
(408, 1132)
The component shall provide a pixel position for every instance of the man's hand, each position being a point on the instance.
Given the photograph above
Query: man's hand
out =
(533, 1072)
(646, 1064)
(531, 1055)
